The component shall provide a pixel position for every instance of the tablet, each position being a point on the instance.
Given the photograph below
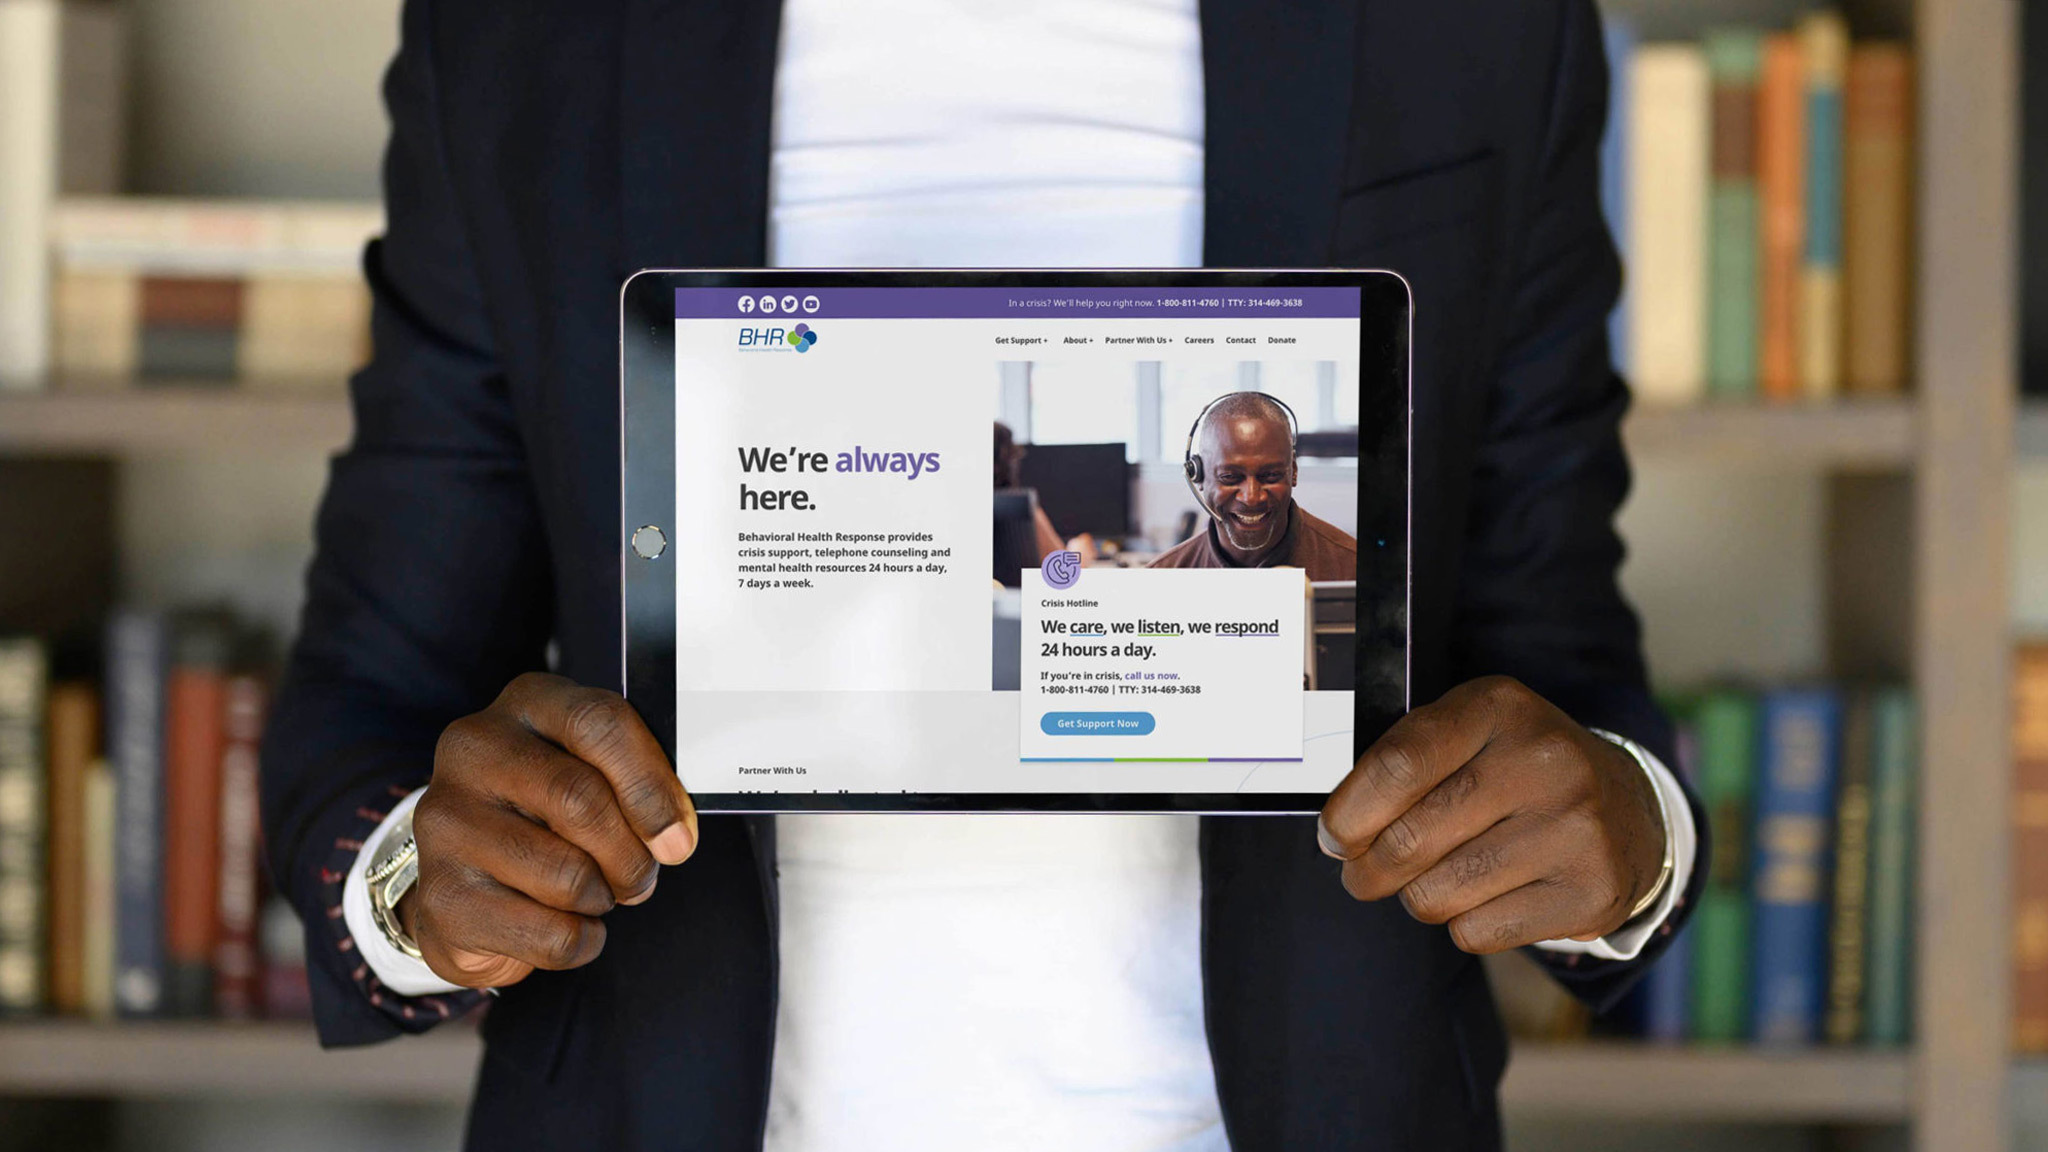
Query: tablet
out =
(950, 540)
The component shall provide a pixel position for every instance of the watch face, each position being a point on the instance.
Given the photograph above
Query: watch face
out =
(397, 857)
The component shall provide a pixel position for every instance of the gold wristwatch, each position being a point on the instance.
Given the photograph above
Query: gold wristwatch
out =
(394, 869)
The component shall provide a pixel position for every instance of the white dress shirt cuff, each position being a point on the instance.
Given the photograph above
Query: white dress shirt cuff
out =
(394, 969)
(1626, 942)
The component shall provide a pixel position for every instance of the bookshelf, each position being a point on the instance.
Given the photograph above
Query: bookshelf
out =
(213, 1059)
(1943, 462)
(1878, 435)
(242, 1060)
(172, 418)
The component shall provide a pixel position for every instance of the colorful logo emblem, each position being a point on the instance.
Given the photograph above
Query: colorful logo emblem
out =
(1062, 570)
(802, 337)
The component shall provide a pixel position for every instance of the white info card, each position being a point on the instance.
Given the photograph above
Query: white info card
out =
(1189, 664)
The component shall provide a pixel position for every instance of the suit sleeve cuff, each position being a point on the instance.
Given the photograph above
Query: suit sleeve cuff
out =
(1626, 942)
(393, 968)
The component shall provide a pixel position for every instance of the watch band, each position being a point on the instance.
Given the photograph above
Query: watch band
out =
(394, 869)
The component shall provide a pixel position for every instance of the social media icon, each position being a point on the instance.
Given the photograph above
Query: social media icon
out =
(767, 303)
(746, 303)
(789, 304)
(810, 303)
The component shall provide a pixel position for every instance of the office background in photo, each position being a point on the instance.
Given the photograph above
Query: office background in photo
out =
(1068, 412)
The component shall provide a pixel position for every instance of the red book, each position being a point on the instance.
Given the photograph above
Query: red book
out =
(237, 976)
(195, 739)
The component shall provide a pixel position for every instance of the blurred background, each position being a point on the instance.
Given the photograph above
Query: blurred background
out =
(1838, 543)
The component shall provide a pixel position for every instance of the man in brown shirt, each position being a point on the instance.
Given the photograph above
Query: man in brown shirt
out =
(1243, 471)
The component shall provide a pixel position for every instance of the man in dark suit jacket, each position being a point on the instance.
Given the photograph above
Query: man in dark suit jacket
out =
(541, 153)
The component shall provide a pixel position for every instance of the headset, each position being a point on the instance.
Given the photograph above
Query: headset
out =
(1191, 461)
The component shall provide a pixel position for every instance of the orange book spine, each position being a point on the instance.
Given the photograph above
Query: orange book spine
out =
(196, 706)
(1877, 219)
(1781, 188)
(2030, 850)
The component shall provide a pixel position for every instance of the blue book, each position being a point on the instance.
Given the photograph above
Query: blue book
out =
(135, 670)
(1795, 808)
(1667, 987)
(1667, 994)
(1620, 39)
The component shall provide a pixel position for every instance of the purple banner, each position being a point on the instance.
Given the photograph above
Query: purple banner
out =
(1017, 303)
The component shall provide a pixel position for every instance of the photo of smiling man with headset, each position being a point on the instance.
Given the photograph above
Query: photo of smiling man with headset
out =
(1241, 466)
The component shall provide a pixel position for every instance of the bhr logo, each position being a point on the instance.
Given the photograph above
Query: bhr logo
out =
(778, 339)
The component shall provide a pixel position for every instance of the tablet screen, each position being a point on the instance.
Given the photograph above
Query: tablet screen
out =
(984, 546)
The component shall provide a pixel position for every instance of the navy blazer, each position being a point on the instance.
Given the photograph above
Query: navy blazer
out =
(542, 151)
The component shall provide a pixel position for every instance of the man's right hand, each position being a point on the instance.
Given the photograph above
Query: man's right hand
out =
(546, 809)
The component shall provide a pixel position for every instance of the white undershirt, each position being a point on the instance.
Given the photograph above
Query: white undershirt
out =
(989, 982)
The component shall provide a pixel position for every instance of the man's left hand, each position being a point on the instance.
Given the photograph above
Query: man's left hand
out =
(1493, 812)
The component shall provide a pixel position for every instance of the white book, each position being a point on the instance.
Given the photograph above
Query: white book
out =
(62, 124)
(1667, 195)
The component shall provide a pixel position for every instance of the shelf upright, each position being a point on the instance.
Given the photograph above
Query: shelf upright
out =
(1965, 363)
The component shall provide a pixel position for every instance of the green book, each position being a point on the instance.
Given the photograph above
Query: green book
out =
(1849, 911)
(1734, 62)
(1726, 726)
(1888, 953)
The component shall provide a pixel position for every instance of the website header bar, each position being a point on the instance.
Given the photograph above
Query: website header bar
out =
(1196, 303)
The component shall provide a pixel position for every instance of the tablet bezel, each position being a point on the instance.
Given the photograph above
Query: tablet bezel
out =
(647, 391)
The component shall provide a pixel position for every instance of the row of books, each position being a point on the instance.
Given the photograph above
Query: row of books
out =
(1761, 187)
(1804, 930)
(131, 881)
(268, 294)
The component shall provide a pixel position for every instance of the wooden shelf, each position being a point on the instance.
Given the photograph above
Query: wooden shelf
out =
(1860, 434)
(1723, 1085)
(173, 418)
(76, 1059)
